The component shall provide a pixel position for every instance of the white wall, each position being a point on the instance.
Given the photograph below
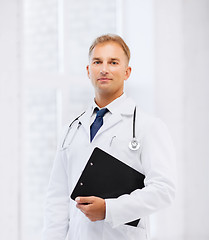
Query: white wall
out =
(196, 118)
(169, 104)
(182, 100)
(9, 119)
(182, 60)
(138, 31)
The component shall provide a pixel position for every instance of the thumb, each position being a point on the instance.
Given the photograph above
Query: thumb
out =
(84, 200)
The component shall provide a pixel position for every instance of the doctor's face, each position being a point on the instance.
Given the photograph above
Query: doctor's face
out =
(108, 69)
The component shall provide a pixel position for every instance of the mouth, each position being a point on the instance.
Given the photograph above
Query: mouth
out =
(102, 79)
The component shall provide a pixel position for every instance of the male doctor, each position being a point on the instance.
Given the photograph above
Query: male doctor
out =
(94, 218)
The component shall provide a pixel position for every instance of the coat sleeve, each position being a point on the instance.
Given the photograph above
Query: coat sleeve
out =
(158, 161)
(57, 200)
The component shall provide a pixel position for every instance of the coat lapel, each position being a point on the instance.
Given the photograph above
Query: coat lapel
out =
(85, 120)
(111, 121)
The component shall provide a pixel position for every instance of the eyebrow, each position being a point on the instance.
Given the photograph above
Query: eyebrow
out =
(115, 59)
(96, 58)
(112, 59)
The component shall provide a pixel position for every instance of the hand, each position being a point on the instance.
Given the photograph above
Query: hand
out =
(93, 207)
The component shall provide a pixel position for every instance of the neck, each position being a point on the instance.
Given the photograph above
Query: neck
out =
(103, 101)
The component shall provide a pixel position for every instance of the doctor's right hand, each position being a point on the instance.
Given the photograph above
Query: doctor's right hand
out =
(93, 207)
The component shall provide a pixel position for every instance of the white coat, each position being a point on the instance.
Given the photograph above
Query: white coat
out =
(155, 159)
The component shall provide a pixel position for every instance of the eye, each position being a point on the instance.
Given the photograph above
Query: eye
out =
(96, 62)
(114, 63)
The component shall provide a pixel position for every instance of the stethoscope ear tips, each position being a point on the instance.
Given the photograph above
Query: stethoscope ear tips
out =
(134, 144)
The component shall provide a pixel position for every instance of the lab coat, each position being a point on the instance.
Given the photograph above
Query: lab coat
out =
(154, 159)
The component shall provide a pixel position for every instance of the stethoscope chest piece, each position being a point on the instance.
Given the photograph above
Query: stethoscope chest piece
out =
(134, 144)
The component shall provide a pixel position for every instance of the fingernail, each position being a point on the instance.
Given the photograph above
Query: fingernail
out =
(77, 199)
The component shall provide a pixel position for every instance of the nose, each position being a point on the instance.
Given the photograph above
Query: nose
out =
(104, 69)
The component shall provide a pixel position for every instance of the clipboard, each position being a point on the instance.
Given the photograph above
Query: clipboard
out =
(105, 176)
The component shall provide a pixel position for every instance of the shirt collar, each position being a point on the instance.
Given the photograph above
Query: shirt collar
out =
(113, 106)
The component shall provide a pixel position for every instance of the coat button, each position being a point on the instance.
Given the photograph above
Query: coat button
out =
(91, 164)
(81, 184)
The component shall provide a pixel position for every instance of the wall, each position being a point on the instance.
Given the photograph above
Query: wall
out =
(9, 120)
(196, 118)
(169, 104)
(182, 60)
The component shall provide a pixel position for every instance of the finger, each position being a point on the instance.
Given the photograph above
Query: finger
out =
(84, 200)
(83, 207)
(80, 206)
(84, 210)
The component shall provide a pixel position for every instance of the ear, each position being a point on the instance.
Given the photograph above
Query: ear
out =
(127, 73)
(87, 69)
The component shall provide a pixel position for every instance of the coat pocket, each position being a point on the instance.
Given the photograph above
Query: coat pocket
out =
(119, 148)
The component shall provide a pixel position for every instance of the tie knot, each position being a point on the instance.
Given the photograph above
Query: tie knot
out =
(101, 112)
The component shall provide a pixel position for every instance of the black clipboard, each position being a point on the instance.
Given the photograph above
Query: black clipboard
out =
(107, 177)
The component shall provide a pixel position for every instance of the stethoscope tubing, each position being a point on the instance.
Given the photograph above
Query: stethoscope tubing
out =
(134, 123)
(70, 126)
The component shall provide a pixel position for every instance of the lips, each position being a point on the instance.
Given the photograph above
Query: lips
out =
(104, 79)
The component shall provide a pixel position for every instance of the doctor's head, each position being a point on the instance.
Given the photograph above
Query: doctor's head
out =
(108, 65)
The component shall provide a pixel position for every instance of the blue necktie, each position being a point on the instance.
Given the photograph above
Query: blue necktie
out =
(96, 125)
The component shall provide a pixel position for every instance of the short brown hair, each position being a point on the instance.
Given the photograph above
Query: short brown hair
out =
(111, 38)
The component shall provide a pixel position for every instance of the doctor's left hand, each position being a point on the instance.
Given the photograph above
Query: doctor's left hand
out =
(93, 207)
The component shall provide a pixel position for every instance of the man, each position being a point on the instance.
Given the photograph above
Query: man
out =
(94, 218)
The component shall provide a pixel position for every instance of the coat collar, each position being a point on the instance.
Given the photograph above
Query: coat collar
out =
(120, 107)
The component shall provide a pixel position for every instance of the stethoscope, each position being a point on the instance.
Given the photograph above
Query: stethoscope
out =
(70, 126)
(133, 144)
